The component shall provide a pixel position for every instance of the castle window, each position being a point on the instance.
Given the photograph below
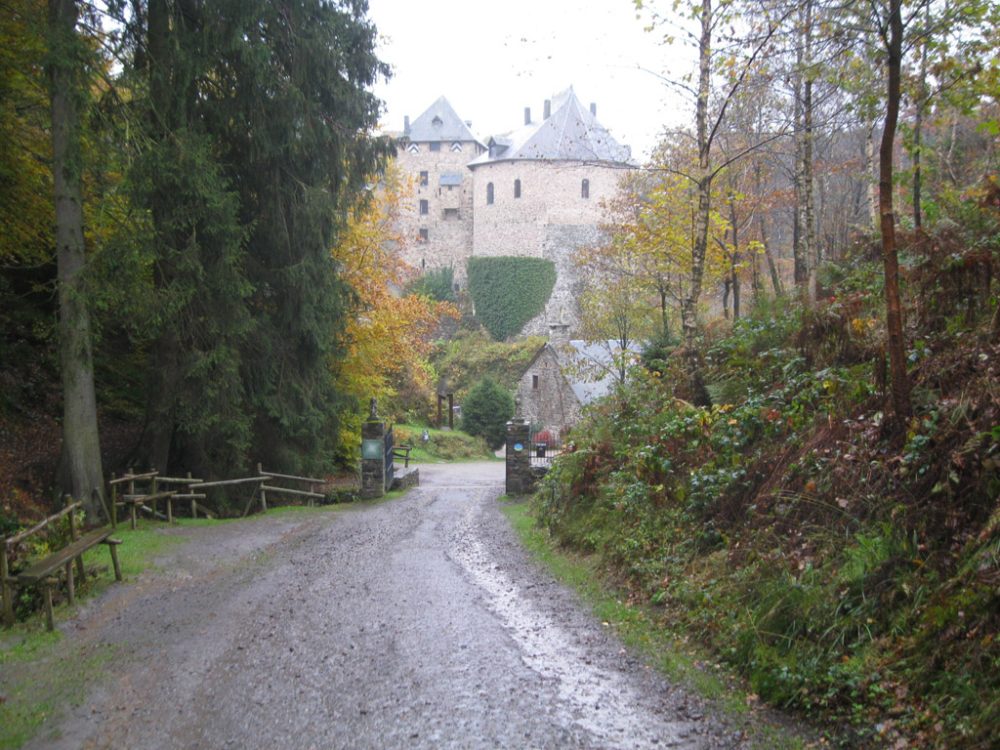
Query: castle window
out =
(424, 178)
(489, 193)
(424, 208)
(534, 382)
(435, 145)
(517, 188)
(585, 189)
(456, 147)
(413, 148)
(423, 235)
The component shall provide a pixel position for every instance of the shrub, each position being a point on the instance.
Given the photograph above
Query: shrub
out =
(508, 291)
(438, 284)
(486, 410)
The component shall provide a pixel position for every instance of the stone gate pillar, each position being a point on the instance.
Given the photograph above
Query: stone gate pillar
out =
(519, 478)
(372, 456)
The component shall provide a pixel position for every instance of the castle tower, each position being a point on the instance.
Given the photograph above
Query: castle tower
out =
(538, 192)
(434, 150)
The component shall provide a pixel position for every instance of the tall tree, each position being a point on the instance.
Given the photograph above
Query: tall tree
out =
(82, 473)
(261, 118)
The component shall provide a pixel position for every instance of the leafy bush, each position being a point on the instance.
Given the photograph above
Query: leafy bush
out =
(509, 291)
(438, 284)
(486, 410)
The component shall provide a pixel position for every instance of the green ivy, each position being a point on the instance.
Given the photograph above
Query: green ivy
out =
(509, 291)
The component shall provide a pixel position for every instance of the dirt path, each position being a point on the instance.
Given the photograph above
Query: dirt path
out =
(415, 623)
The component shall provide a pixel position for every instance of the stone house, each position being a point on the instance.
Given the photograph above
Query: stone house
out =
(564, 376)
(536, 191)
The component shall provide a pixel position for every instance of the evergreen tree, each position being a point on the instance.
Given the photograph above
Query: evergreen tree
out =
(486, 410)
(259, 117)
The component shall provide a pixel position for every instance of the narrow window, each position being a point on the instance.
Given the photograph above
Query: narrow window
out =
(489, 193)
(585, 189)
(424, 179)
(424, 208)
(517, 188)
(534, 382)
(435, 145)
(423, 235)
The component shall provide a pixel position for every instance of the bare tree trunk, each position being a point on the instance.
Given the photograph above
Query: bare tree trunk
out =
(808, 209)
(82, 473)
(902, 408)
(873, 204)
(918, 127)
(799, 256)
(689, 305)
(734, 271)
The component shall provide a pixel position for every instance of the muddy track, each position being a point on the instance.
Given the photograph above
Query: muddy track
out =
(415, 623)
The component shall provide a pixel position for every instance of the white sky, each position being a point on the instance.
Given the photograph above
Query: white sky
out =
(491, 60)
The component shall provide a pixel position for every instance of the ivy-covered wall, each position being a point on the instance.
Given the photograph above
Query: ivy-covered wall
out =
(508, 291)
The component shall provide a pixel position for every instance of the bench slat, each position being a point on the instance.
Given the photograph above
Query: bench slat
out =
(44, 568)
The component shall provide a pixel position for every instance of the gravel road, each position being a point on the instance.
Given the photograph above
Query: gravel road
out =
(414, 623)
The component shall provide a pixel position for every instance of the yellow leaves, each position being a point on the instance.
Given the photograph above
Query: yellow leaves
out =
(389, 335)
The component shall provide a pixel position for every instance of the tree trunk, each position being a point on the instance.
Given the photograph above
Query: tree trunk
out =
(918, 127)
(82, 473)
(896, 345)
(735, 273)
(689, 305)
(799, 256)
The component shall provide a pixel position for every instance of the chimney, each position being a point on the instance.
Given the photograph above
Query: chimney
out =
(593, 108)
(548, 109)
(527, 115)
(558, 334)
(406, 125)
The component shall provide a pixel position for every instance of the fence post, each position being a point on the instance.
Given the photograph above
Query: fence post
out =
(6, 591)
(518, 451)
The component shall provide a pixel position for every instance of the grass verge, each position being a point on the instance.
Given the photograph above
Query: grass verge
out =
(639, 630)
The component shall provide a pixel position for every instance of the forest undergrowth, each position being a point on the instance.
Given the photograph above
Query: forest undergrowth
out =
(849, 569)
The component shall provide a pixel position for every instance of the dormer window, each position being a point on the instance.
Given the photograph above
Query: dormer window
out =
(585, 189)
(517, 188)
(489, 193)
(437, 121)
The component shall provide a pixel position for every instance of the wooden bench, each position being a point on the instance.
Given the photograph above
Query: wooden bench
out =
(45, 572)
(403, 452)
(41, 572)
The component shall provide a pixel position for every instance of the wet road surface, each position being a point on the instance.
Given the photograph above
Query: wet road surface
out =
(413, 623)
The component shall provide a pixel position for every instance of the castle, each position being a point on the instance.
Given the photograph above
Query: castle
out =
(536, 191)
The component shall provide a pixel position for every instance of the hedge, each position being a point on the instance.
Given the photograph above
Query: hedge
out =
(508, 291)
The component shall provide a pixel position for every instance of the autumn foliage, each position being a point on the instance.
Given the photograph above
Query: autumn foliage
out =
(390, 334)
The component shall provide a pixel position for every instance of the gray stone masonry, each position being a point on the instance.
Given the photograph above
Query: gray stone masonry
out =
(372, 469)
(520, 480)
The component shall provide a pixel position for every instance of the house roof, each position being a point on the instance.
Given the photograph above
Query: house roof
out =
(571, 133)
(439, 122)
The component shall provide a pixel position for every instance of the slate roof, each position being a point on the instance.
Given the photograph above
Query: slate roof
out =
(571, 133)
(440, 122)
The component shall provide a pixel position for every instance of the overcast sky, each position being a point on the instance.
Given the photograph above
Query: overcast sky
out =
(491, 60)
